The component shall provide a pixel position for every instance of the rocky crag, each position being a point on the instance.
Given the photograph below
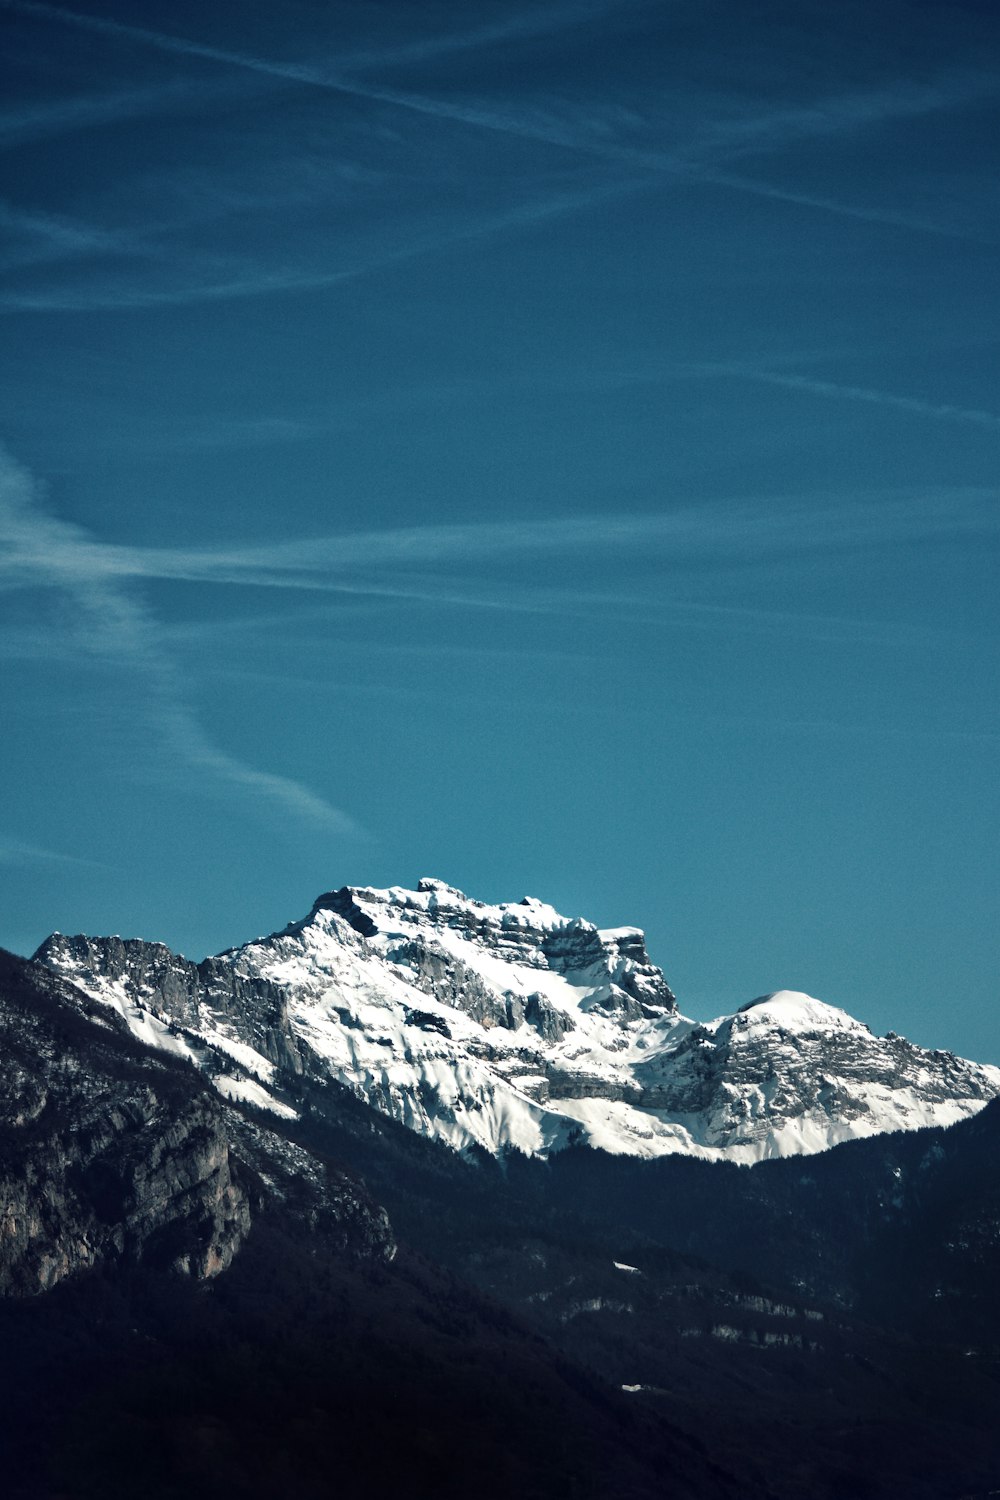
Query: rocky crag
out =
(113, 1152)
(511, 1026)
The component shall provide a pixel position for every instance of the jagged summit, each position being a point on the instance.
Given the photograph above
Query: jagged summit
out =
(511, 1025)
(446, 905)
(611, 967)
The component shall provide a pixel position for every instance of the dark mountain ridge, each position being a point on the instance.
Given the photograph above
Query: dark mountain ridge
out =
(321, 1363)
(226, 1293)
(113, 1152)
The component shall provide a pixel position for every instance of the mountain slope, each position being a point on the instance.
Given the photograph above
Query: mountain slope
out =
(585, 1323)
(512, 1026)
(113, 1154)
(320, 1363)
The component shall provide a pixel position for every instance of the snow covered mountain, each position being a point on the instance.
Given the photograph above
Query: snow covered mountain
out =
(512, 1026)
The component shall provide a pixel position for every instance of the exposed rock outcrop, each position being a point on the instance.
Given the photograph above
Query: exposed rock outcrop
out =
(179, 991)
(513, 1026)
(111, 1151)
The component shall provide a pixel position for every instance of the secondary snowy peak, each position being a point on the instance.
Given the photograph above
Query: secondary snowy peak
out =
(788, 1074)
(794, 1009)
(511, 1025)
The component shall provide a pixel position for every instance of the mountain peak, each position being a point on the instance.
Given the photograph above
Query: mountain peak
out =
(794, 1008)
(511, 1025)
(428, 883)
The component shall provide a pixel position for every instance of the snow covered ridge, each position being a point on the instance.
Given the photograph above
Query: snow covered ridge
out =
(513, 1026)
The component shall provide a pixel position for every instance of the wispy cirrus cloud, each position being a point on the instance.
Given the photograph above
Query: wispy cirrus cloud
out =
(393, 562)
(869, 396)
(522, 26)
(826, 116)
(719, 530)
(840, 114)
(115, 627)
(702, 157)
(393, 567)
(39, 120)
(864, 213)
(41, 238)
(454, 567)
(66, 234)
(255, 283)
(18, 853)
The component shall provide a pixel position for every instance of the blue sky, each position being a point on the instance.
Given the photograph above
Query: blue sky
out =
(553, 448)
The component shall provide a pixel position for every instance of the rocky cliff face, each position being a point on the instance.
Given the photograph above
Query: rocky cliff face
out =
(512, 1025)
(181, 993)
(113, 1152)
(109, 1152)
(787, 1074)
(408, 929)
